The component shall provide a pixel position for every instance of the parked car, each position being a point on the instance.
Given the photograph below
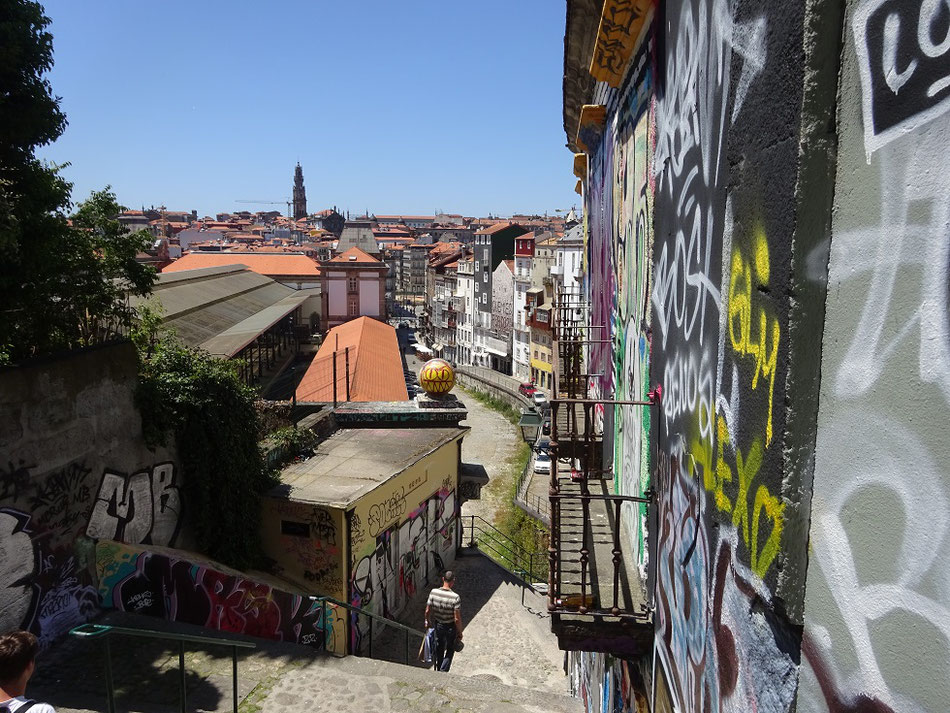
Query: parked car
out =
(542, 463)
(546, 427)
(527, 388)
(540, 400)
(543, 445)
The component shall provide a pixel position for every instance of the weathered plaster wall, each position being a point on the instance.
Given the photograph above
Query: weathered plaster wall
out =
(877, 604)
(307, 544)
(402, 534)
(73, 468)
(171, 585)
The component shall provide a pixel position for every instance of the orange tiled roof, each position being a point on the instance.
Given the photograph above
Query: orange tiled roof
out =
(269, 265)
(375, 365)
(360, 256)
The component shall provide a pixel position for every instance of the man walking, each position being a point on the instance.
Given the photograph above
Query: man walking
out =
(444, 609)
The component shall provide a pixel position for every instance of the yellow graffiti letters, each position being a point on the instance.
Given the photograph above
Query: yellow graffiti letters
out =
(763, 348)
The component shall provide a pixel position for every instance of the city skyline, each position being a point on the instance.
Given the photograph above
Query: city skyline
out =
(387, 110)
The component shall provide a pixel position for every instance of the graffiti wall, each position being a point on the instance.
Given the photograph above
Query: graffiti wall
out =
(619, 253)
(159, 582)
(877, 605)
(402, 535)
(306, 544)
(73, 468)
(728, 101)
(606, 684)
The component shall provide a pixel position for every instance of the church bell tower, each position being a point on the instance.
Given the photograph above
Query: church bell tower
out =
(300, 194)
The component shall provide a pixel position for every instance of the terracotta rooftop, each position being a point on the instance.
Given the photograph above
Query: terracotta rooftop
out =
(270, 265)
(375, 372)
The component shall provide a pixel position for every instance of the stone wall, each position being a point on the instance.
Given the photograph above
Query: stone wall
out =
(75, 469)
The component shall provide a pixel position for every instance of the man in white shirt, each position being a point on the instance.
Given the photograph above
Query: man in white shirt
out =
(444, 609)
(17, 663)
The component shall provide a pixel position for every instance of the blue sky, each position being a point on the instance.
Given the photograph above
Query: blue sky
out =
(396, 107)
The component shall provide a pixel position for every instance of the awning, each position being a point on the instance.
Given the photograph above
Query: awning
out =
(437, 347)
(497, 352)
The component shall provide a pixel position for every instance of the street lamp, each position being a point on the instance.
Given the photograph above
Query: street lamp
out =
(530, 425)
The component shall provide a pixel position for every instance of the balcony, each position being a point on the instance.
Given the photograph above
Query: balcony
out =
(557, 270)
(597, 599)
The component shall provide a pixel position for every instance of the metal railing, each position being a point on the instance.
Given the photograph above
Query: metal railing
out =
(536, 507)
(577, 441)
(357, 611)
(106, 632)
(519, 561)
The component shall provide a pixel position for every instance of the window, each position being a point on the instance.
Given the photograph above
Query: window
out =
(353, 307)
(352, 284)
(295, 529)
(484, 298)
(477, 268)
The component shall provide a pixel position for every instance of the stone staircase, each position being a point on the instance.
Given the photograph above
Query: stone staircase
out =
(274, 677)
(510, 664)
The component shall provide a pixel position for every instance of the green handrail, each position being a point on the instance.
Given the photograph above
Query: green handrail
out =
(358, 611)
(104, 631)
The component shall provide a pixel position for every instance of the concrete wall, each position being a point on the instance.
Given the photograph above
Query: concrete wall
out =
(693, 199)
(877, 604)
(726, 171)
(75, 469)
(177, 586)
(307, 544)
(402, 533)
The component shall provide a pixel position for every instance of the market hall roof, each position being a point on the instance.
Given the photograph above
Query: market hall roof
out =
(276, 265)
(221, 309)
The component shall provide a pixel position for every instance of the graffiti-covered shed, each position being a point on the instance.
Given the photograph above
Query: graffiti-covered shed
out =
(370, 518)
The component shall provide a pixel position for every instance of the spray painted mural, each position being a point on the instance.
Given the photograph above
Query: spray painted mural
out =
(46, 559)
(73, 467)
(877, 606)
(163, 585)
(724, 166)
(401, 537)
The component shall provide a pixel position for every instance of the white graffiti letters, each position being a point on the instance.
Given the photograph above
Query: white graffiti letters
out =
(144, 507)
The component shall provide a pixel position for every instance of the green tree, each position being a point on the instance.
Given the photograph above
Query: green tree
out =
(200, 401)
(104, 269)
(58, 284)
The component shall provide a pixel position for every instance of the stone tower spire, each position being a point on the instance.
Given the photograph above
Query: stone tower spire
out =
(300, 194)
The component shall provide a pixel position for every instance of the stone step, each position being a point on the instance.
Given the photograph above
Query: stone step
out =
(357, 685)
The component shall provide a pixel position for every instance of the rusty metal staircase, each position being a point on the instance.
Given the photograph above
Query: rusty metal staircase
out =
(596, 598)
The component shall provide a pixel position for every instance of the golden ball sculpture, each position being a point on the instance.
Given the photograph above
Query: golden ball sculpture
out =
(437, 377)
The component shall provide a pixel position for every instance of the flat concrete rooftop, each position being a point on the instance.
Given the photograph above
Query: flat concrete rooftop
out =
(353, 461)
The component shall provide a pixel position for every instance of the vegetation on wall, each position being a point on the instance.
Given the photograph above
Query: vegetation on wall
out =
(200, 401)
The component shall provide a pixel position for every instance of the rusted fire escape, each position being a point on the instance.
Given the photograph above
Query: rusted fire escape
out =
(596, 598)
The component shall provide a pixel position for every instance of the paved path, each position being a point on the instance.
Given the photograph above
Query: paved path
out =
(491, 443)
(504, 641)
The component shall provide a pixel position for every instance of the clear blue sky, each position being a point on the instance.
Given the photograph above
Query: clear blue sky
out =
(396, 107)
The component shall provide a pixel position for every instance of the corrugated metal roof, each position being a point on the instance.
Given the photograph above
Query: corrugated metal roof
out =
(206, 303)
(234, 339)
